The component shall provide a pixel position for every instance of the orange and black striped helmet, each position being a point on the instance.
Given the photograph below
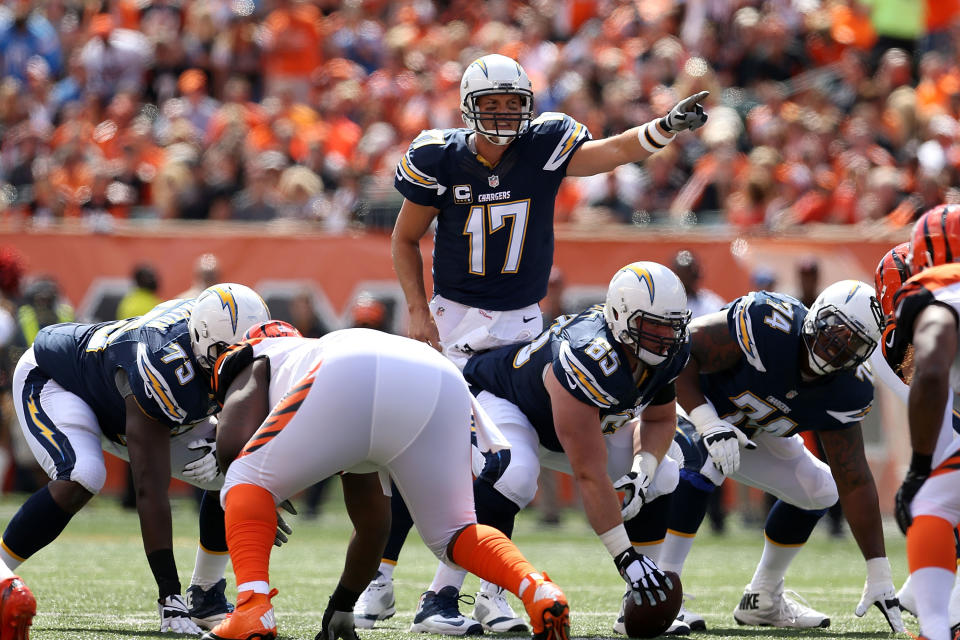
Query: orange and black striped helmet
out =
(272, 329)
(891, 273)
(936, 238)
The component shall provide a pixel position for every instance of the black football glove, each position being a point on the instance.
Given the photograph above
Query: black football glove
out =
(337, 625)
(643, 576)
(905, 495)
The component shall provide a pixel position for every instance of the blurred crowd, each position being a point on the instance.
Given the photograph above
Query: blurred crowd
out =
(837, 111)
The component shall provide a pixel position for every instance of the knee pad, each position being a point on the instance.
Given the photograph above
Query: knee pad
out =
(512, 477)
(818, 487)
(89, 473)
(665, 480)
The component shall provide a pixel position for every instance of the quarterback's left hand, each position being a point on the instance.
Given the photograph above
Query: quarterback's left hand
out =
(634, 483)
(337, 625)
(687, 114)
(204, 469)
(879, 591)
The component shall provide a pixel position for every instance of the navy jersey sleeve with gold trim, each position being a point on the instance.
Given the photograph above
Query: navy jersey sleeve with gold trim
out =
(493, 244)
(765, 391)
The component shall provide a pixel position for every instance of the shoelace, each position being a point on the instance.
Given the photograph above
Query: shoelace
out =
(448, 606)
(793, 605)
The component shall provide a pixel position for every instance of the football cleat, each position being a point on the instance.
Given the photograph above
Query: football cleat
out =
(495, 614)
(547, 607)
(693, 620)
(905, 596)
(253, 619)
(677, 628)
(765, 607)
(438, 612)
(208, 606)
(375, 603)
(17, 608)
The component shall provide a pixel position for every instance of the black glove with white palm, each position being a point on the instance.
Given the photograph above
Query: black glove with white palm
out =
(722, 439)
(643, 575)
(879, 592)
(686, 115)
(634, 484)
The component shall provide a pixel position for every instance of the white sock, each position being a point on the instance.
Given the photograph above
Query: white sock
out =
(652, 551)
(209, 567)
(931, 587)
(447, 576)
(11, 562)
(674, 551)
(386, 570)
(773, 564)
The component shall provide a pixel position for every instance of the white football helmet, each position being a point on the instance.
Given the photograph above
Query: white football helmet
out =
(842, 327)
(495, 74)
(646, 308)
(221, 316)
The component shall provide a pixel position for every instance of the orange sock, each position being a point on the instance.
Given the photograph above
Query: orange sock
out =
(486, 552)
(251, 520)
(930, 544)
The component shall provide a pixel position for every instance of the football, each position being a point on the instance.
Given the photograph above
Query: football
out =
(643, 620)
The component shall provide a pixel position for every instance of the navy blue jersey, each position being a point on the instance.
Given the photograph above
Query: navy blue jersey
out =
(592, 365)
(493, 246)
(764, 391)
(153, 351)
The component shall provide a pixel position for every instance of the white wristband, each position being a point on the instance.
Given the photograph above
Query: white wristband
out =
(703, 417)
(616, 540)
(878, 570)
(651, 139)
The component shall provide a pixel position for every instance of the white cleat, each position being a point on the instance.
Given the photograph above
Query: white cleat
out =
(495, 614)
(907, 602)
(376, 603)
(773, 607)
(686, 618)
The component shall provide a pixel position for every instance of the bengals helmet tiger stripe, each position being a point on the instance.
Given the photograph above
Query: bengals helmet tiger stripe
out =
(892, 272)
(936, 238)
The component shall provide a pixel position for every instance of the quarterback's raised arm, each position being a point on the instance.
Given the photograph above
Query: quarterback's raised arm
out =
(638, 143)
(412, 222)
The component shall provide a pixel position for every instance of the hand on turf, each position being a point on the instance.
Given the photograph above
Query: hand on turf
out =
(723, 442)
(337, 625)
(878, 591)
(283, 529)
(643, 575)
(687, 114)
(175, 617)
(204, 469)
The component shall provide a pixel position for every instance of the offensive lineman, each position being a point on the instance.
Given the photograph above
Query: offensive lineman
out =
(137, 388)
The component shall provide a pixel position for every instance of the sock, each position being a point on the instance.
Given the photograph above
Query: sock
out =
(386, 569)
(932, 585)
(493, 508)
(488, 553)
(652, 550)
(213, 532)
(209, 567)
(447, 576)
(36, 524)
(773, 564)
(689, 503)
(251, 520)
(649, 527)
(789, 525)
(400, 525)
(674, 551)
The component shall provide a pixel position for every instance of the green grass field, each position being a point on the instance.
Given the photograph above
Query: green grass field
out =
(94, 582)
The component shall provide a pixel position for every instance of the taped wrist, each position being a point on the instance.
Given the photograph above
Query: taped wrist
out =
(703, 417)
(651, 139)
(645, 463)
(878, 570)
(616, 540)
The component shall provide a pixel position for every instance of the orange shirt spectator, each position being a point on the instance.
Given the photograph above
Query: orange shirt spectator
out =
(292, 42)
(852, 27)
